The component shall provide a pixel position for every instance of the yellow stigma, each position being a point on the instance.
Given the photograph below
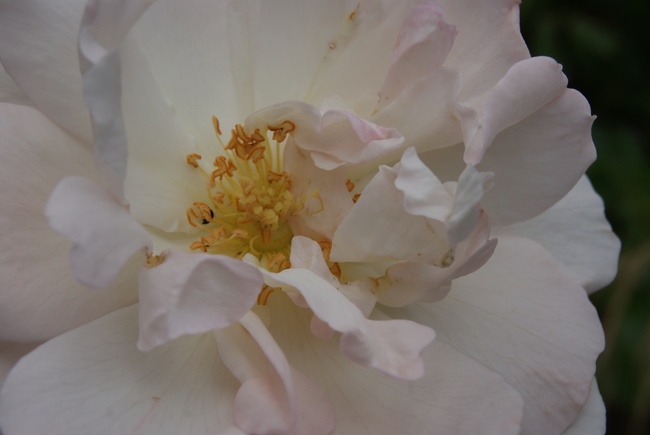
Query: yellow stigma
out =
(250, 197)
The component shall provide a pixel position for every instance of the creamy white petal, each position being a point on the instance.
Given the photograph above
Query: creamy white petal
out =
(577, 233)
(525, 317)
(10, 92)
(93, 380)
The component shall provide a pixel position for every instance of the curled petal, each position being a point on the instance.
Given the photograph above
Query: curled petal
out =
(104, 25)
(336, 138)
(528, 86)
(193, 293)
(391, 346)
(105, 236)
(411, 281)
(273, 397)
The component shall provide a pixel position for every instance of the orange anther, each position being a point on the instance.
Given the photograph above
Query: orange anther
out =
(215, 124)
(349, 185)
(263, 297)
(355, 198)
(192, 158)
(280, 132)
(198, 246)
(192, 217)
(256, 154)
(277, 263)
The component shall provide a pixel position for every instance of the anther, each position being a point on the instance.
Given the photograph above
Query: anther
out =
(215, 124)
(280, 132)
(349, 185)
(192, 159)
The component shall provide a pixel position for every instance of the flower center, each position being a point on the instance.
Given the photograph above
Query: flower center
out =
(250, 197)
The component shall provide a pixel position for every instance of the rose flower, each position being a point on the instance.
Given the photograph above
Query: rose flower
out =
(299, 217)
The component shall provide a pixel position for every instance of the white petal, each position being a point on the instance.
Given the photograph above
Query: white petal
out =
(422, 46)
(591, 419)
(93, 380)
(40, 298)
(193, 293)
(487, 45)
(273, 398)
(391, 346)
(411, 281)
(159, 183)
(334, 139)
(527, 86)
(369, 403)
(10, 92)
(577, 233)
(538, 160)
(320, 219)
(104, 25)
(38, 47)
(399, 235)
(105, 236)
(10, 353)
(525, 317)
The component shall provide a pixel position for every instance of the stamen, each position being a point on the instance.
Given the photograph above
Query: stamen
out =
(192, 159)
(280, 132)
(349, 185)
(215, 124)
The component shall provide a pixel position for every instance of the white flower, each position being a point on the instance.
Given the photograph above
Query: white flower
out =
(274, 173)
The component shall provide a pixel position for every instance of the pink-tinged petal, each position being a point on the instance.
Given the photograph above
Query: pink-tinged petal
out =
(192, 293)
(576, 232)
(334, 139)
(423, 111)
(320, 219)
(408, 282)
(369, 403)
(93, 380)
(273, 397)
(527, 318)
(391, 346)
(358, 55)
(528, 86)
(403, 236)
(35, 306)
(104, 25)
(38, 47)
(487, 45)
(307, 254)
(422, 46)
(591, 419)
(538, 160)
(10, 353)
(105, 236)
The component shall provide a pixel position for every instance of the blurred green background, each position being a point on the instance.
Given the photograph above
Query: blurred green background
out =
(604, 47)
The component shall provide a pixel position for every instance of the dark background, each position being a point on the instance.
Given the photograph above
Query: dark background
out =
(604, 47)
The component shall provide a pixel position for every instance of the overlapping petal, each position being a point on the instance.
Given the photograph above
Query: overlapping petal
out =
(193, 293)
(35, 306)
(523, 305)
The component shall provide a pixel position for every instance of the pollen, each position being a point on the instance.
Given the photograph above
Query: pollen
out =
(249, 196)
